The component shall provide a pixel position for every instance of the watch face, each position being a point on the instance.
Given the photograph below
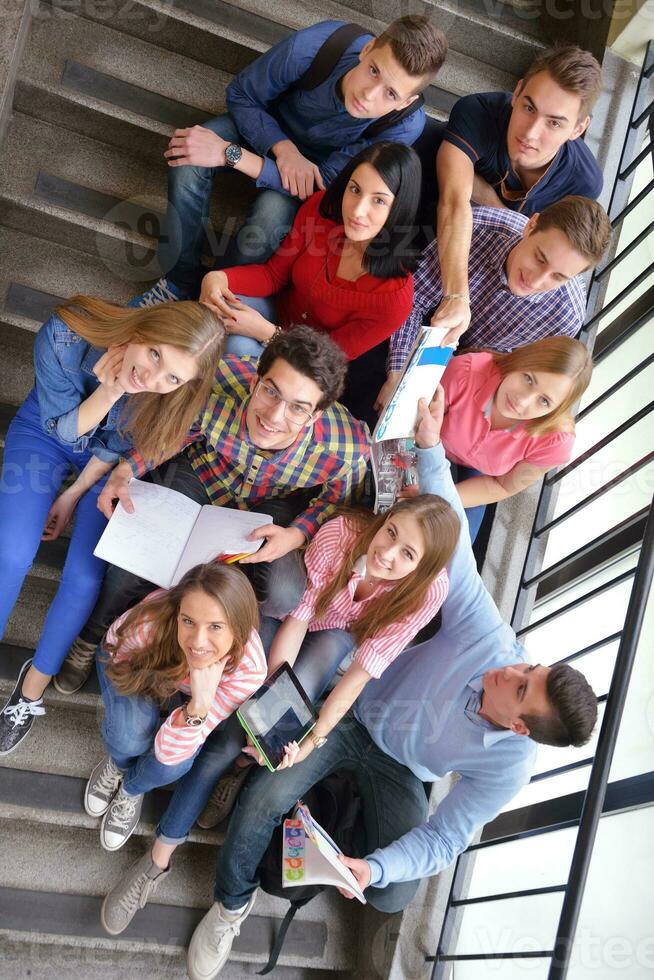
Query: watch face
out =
(233, 154)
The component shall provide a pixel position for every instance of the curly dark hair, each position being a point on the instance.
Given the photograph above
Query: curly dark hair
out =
(313, 354)
(573, 711)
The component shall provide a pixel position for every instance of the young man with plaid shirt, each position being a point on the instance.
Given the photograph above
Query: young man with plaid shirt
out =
(272, 438)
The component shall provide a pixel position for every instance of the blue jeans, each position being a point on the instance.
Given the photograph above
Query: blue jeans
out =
(187, 220)
(241, 346)
(393, 802)
(33, 468)
(128, 729)
(475, 515)
(315, 666)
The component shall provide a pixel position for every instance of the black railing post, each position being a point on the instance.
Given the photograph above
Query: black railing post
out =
(599, 777)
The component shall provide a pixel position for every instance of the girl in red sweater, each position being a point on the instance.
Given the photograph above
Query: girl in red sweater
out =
(345, 267)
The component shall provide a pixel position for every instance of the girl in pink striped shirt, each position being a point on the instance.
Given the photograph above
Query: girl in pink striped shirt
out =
(200, 639)
(381, 578)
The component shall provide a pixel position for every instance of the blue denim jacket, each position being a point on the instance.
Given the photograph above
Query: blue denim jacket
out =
(63, 366)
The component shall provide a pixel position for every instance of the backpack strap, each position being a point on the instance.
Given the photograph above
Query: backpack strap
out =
(279, 938)
(328, 56)
(394, 116)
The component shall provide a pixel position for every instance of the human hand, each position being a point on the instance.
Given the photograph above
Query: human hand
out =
(248, 322)
(116, 488)
(298, 174)
(59, 515)
(361, 871)
(385, 391)
(196, 147)
(279, 541)
(204, 681)
(107, 368)
(293, 753)
(430, 420)
(216, 294)
(454, 315)
(252, 752)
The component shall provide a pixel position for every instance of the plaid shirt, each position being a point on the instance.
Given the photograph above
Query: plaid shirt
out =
(499, 319)
(330, 455)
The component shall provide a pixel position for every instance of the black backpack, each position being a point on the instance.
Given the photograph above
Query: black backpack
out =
(325, 61)
(334, 803)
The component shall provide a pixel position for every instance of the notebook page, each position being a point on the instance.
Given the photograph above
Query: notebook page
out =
(220, 531)
(149, 542)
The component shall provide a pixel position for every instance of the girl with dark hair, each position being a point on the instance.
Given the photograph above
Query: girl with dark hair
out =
(508, 417)
(199, 638)
(345, 267)
(107, 378)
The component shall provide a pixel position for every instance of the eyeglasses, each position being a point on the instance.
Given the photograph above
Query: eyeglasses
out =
(293, 411)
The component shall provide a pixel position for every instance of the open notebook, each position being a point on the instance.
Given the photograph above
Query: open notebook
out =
(168, 534)
(310, 856)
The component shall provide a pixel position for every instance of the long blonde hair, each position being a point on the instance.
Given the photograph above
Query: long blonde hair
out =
(554, 355)
(440, 532)
(157, 668)
(156, 423)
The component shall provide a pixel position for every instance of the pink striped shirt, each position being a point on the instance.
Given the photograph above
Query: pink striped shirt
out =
(324, 555)
(172, 744)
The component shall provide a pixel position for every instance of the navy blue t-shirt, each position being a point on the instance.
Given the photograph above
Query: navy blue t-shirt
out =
(478, 125)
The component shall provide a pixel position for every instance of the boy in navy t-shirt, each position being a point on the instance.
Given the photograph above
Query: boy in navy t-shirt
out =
(520, 151)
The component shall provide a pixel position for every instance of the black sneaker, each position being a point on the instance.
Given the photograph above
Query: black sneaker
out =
(18, 714)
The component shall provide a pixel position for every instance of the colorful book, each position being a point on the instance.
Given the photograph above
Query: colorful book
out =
(310, 856)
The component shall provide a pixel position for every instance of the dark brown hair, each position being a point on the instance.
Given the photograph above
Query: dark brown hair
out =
(156, 669)
(157, 423)
(584, 223)
(418, 46)
(311, 353)
(440, 531)
(574, 69)
(573, 710)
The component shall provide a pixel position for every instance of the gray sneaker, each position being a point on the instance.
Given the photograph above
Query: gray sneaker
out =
(120, 821)
(74, 672)
(212, 940)
(130, 894)
(222, 800)
(102, 787)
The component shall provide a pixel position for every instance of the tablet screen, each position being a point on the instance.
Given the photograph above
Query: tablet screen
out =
(278, 713)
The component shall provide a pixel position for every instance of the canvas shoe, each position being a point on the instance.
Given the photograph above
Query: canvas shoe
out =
(222, 800)
(77, 666)
(121, 820)
(101, 788)
(18, 714)
(163, 291)
(212, 940)
(130, 894)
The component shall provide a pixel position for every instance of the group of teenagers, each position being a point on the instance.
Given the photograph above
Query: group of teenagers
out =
(253, 386)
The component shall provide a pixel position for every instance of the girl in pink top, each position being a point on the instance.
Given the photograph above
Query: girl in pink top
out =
(508, 417)
(199, 639)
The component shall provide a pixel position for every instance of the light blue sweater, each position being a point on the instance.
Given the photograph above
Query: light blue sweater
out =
(416, 711)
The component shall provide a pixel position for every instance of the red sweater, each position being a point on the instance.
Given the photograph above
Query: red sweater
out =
(357, 315)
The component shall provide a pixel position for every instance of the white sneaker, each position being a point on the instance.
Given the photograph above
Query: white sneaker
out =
(212, 941)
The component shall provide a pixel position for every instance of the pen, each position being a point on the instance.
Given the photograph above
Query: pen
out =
(233, 558)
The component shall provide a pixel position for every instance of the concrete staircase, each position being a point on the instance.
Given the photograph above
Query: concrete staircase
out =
(82, 189)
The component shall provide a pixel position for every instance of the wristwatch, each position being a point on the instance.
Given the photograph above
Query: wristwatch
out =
(193, 721)
(233, 154)
(318, 740)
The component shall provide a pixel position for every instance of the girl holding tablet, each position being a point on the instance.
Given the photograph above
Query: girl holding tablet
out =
(345, 267)
(373, 582)
(508, 417)
(107, 378)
